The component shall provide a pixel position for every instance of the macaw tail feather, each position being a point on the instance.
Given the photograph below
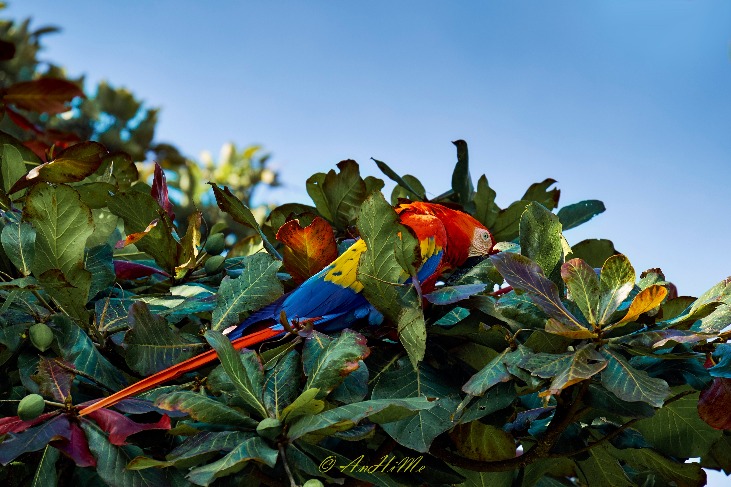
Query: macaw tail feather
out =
(177, 370)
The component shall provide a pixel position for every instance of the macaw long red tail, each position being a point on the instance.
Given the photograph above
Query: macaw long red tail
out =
(177, 370)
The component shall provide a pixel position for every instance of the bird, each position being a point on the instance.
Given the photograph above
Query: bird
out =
(332, 298)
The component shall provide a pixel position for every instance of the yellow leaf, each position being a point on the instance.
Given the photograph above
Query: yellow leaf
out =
(648, 299)
(572, 330)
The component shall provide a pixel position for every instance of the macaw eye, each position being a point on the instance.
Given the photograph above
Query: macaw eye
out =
(485, 236)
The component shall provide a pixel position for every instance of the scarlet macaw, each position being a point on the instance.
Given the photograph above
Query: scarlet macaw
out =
(333, 296)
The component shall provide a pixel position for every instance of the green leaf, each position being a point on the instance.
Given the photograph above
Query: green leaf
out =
(401, 192)
(244, 370)
(491, 374)
(565, 369)
(230, 204)
(380, 272)
(579, 213)
(13, 167)
(204, 409)
(402, 381)
(334, 362)
(45, 475)
(484, 272)
(495, 399)
(482, 442)
(252, 449)
(303, 405)
(461, 179)
(62, 225)
(539, 193)
(18, 240)
(152, 345)
(677, 430)
(98, 261)
(338, 196)
(413, 193)
(602, 469)
(199, 447)
(281, 383)
(139, 210)
(256, 287)
(583, 285)
(540, 241)
(631, 384)
(342, 418)
(507, 224)
(486, 479)
(593, 251)
(111, 461)
(486, 211)
(615, 283)
(355, 386)
(76, 347)
(678, 472)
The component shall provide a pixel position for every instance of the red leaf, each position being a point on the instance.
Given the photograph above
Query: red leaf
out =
(120, 426)
(76, 447)
(38, 147)
(53, 379)
(13, 424)
(160, 191)
(23, 122)
(125, 269)
(715, 402)
(308, 250)
(35, 439)
(46, 95)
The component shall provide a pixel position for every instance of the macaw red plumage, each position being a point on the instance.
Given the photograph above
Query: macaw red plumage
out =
(332, 298)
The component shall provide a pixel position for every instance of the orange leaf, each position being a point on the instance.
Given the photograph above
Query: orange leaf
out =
(45, 95)
(136, 237)
(308, 250)
(649, 298)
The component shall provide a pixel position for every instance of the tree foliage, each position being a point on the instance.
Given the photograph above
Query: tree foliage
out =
(545, 364)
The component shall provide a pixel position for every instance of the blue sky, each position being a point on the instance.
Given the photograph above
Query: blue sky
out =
(624, 101)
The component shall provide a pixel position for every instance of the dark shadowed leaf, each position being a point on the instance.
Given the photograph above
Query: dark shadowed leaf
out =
(454, 294)
(482, 442)
(53, 380)
(495, 399)
(152, 345)
(677, 430)
(45, 95)
(252, 449)
(578, 213)
(631, 384)
(204, 409)
(491, 374)
(98, 261)
(125, 269)
(380, 411)
(18, 241)
(281, 383)
(600, 398)
(461, 179)
(678, 472)
(244, 370)
(327, 369)
(601, 469)
(402, 381)
(411, 192)
(307, 250)
(35, 438)
(111, 461)
(45, 475)
(565, 369)
(77, 348)
(256, 287)
(593, 251)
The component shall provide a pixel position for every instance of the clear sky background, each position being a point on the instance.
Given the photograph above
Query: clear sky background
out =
(626, 101)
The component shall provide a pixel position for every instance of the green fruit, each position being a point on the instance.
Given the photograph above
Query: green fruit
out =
(215, 243)
(218, 227)
(313, 483)
(41, 336)
(269, 428)
(214, 264)
(30, 407)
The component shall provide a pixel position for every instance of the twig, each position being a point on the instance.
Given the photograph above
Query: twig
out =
(82, 374)
(282, 454)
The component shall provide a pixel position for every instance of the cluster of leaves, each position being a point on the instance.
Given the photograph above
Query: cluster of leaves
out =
(48, 111)
(577, 373)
